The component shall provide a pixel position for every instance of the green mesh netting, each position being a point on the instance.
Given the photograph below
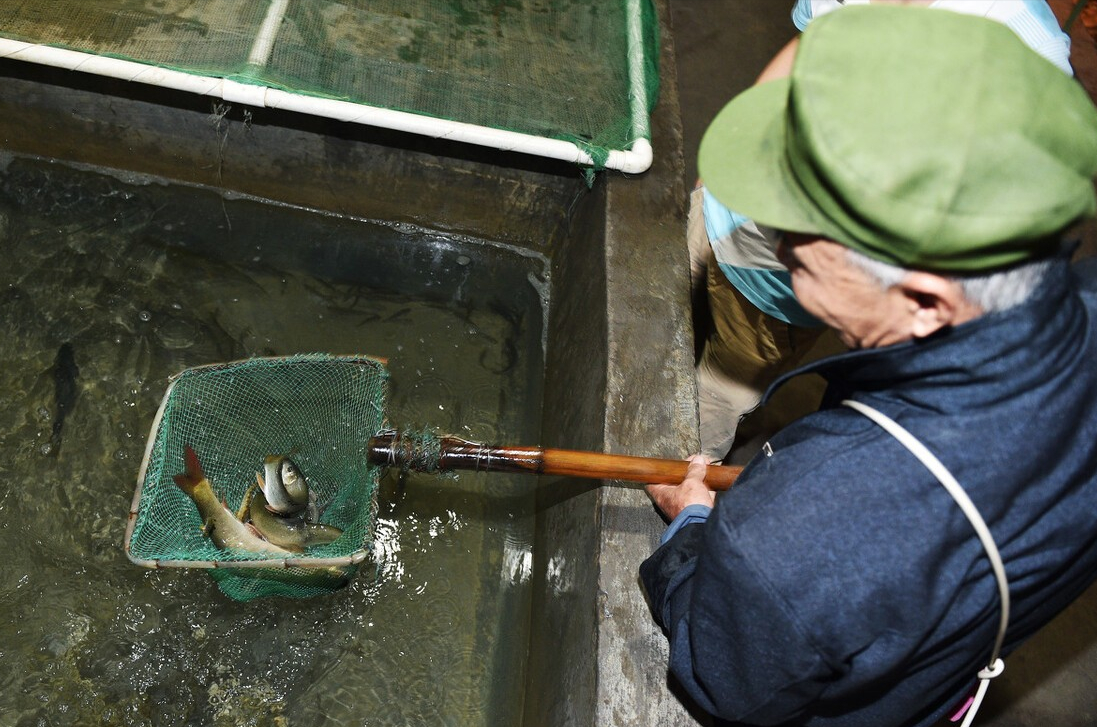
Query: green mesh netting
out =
(319, 409)
(561, 69)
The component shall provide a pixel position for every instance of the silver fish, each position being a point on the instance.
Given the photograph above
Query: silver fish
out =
(293, 532)
(285, 488)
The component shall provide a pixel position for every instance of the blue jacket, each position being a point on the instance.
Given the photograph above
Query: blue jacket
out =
(837, 583)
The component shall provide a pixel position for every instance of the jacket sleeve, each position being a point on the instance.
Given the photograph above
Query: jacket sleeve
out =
(668, 569)
(735, 645)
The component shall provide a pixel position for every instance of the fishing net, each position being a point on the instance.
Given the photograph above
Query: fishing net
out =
(581, 71)
(317, 408)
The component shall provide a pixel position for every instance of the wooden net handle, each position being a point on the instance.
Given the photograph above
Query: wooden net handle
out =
(455, 453)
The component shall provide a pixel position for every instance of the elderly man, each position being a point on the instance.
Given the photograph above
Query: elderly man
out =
(877, 556)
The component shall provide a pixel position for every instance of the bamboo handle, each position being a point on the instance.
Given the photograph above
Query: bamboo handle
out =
(393, 450)
(649, 470)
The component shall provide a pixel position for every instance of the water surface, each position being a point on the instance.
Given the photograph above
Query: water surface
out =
(107, 289)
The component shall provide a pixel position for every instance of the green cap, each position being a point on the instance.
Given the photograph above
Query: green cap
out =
(921, 137)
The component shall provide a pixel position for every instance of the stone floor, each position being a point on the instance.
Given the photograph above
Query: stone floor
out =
(721, 45)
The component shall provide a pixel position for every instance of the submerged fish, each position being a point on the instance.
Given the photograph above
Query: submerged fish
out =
(222, 526)
(65, 373)
(293, 532)
(285, 488)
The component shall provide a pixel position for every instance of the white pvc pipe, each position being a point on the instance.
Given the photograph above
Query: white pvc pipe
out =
(638, 97)
(634, 161)
(268, 31)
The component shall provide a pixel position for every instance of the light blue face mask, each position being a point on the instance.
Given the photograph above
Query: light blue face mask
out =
(995, 666)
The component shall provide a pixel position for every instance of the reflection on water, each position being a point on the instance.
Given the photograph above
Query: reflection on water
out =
(103, 297)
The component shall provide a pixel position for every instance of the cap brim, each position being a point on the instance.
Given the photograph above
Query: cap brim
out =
(743, 162)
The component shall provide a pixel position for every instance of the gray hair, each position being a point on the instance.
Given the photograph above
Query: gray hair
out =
(992, 292)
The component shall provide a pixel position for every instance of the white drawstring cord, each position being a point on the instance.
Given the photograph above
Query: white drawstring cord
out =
(995, 666)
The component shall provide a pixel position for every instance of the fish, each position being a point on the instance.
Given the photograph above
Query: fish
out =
(218, 522)
(65, 390)
(285, 488)
(293, 532)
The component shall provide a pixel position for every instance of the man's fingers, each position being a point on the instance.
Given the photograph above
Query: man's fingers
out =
(698, 468)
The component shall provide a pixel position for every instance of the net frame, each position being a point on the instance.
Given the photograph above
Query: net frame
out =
(343, 400)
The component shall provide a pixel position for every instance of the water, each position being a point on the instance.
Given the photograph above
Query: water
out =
(142, 280)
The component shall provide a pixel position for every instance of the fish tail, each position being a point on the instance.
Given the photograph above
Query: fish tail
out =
(189, 479)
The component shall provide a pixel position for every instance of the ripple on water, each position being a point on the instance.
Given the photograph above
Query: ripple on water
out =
(175, 333)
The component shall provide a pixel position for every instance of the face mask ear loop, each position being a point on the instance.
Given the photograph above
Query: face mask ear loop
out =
(995, 666)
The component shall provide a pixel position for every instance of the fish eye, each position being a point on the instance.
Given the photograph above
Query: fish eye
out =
(289, 472)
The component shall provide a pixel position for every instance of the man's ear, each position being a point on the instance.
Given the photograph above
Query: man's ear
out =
(934, 302)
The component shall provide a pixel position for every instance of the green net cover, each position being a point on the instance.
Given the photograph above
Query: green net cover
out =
(318, 409)
(583, 71)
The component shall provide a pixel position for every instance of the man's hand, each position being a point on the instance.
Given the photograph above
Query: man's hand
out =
(672, 499)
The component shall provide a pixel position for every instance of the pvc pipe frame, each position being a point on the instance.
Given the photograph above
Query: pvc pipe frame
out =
(632, 161)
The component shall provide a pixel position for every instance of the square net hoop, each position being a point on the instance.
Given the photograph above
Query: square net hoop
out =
(317, 408)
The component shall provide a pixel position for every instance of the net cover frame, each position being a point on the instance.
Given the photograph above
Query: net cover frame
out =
(319, 408)
(255, 61)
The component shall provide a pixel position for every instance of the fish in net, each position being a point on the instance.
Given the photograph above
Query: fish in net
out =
(233, 418)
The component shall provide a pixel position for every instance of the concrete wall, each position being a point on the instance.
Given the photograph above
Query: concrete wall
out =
(619, 378)
(335, 167)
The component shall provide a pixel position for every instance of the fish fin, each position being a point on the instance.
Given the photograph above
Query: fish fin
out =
(194, 467)
(193, 474)
(245, 505)
(207, 528)
(262, 485)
